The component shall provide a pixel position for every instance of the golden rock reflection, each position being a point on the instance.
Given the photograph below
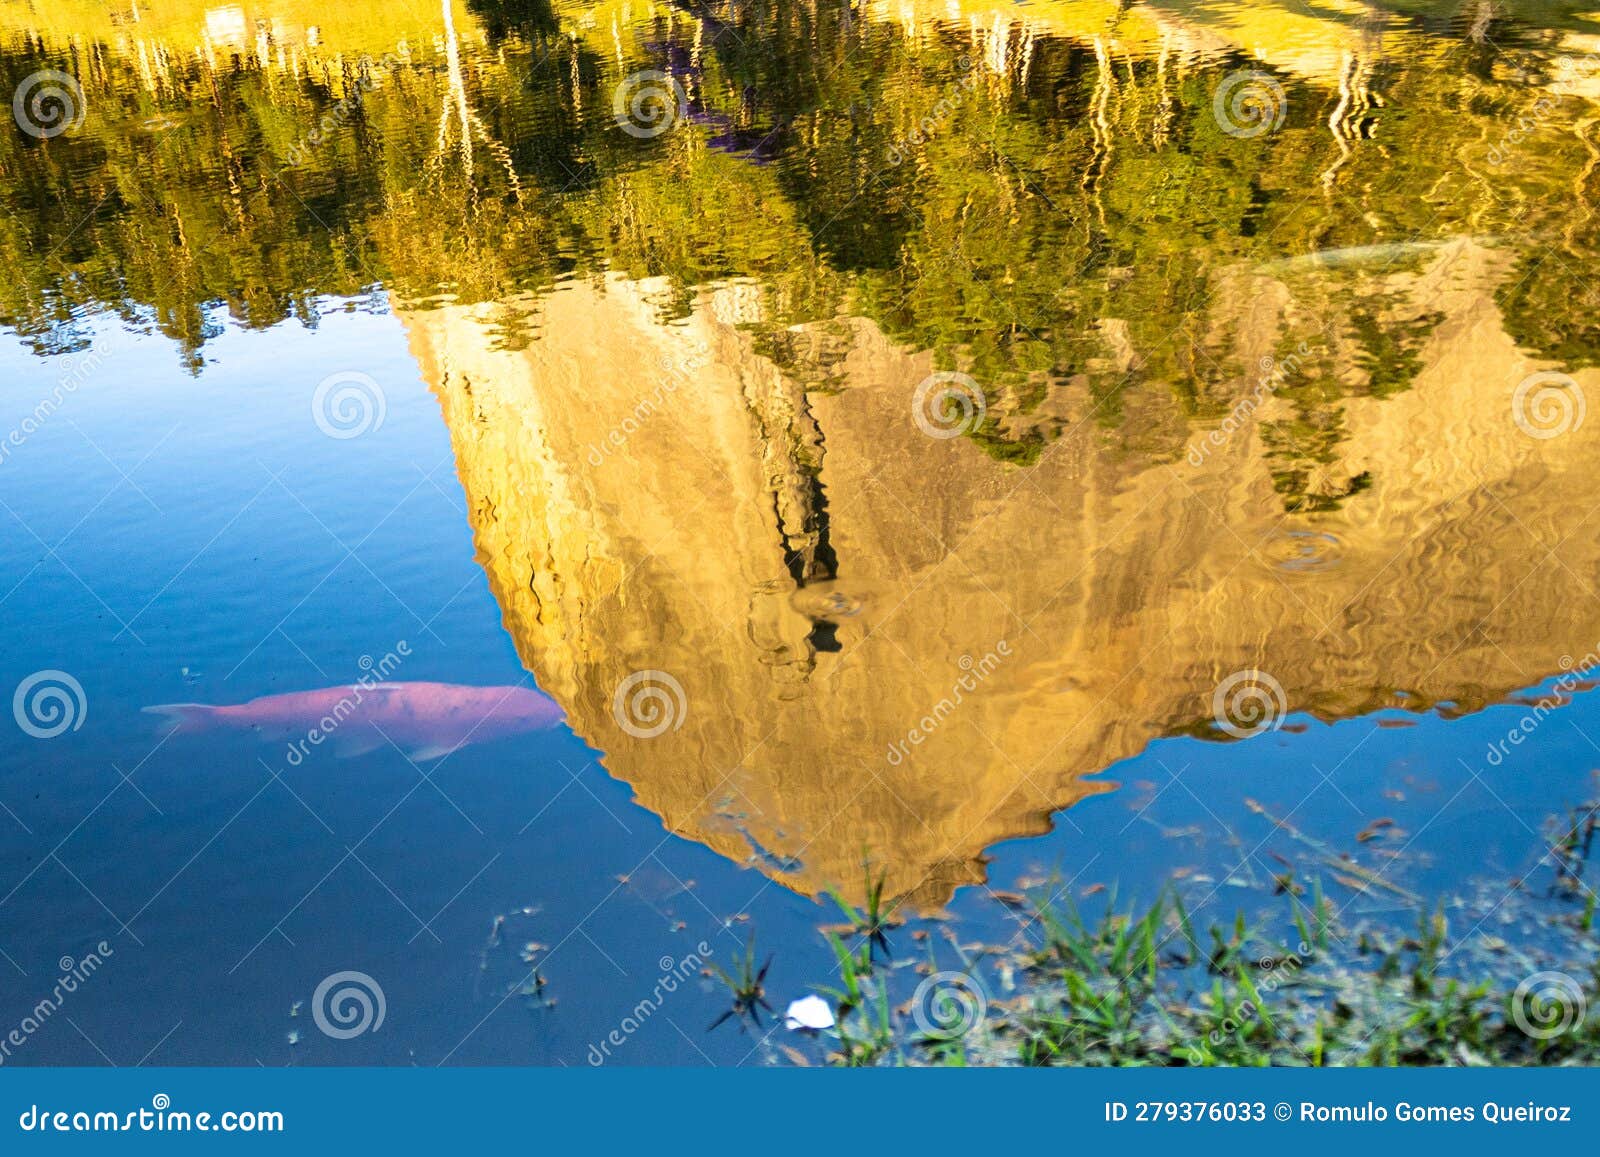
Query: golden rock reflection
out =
(824, 581)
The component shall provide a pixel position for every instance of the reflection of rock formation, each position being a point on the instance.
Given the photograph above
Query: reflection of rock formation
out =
(813, 570)
(1309, 41)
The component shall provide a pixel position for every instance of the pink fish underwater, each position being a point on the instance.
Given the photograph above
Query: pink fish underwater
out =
(424, 720)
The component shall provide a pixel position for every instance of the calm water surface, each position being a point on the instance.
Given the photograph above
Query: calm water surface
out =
(1076, 445)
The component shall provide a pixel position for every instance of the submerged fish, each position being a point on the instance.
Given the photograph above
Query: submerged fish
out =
(1379, 255)
(424, 720)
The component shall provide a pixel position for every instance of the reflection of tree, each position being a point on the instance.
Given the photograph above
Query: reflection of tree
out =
(170, 208)
(1552, 302)
(512, 20)
(1053, 216)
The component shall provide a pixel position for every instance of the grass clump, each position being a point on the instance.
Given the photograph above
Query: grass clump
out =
(746, 985)
(1151, 988)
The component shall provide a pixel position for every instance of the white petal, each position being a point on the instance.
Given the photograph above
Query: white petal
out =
(809, 1012)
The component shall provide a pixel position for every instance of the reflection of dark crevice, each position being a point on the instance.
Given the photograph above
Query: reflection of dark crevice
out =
(800, 510)
(808, 553)
(824, 637)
